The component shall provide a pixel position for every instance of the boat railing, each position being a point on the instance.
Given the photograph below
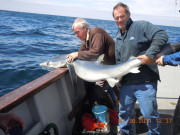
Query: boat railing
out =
(19, 95)
(48, 99)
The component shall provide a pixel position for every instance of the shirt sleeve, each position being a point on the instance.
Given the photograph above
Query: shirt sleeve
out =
(95, 48)
(172, 59)
(157, 37)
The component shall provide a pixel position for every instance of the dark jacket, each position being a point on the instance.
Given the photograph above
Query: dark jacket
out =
(100, 42)
(141, 37)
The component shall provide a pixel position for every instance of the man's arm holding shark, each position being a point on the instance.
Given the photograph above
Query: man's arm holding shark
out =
(158, 40)
(96, 48)
(94, 51)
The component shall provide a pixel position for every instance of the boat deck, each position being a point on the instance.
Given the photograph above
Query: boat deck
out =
(166, 109)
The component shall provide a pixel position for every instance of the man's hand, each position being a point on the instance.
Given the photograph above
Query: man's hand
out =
(10, 120)
(159, 61)
(72, 56)
(146, 60)
(100, 83)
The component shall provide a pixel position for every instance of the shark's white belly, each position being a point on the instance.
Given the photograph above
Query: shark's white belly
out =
(90, 75)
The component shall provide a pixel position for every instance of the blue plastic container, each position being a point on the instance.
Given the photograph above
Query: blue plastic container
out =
(100, 112)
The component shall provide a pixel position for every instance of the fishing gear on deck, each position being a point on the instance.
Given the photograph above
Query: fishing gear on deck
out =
(90, 123)
(47, 129)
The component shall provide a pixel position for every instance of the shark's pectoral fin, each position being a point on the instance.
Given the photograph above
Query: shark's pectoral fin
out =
(112, 82)
(100, 59)
(134, 70)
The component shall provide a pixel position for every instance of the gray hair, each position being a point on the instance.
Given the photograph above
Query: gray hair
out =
(120, 4)
(80, 22)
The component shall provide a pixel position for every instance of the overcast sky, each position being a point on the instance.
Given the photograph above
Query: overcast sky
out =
(162, 12)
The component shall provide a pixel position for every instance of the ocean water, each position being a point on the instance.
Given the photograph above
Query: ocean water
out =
(27, 39)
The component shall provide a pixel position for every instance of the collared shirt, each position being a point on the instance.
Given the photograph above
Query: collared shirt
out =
(87, 39)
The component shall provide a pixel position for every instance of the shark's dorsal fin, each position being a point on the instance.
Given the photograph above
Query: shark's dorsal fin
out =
(100, 59)
(112, 82)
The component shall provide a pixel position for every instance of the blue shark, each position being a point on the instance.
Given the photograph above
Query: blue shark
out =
(93, 71)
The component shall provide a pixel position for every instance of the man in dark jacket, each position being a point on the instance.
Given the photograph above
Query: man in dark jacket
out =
(95, 42)
(143, 40)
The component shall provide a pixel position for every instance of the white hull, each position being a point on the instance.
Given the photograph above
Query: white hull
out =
(169, 87)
